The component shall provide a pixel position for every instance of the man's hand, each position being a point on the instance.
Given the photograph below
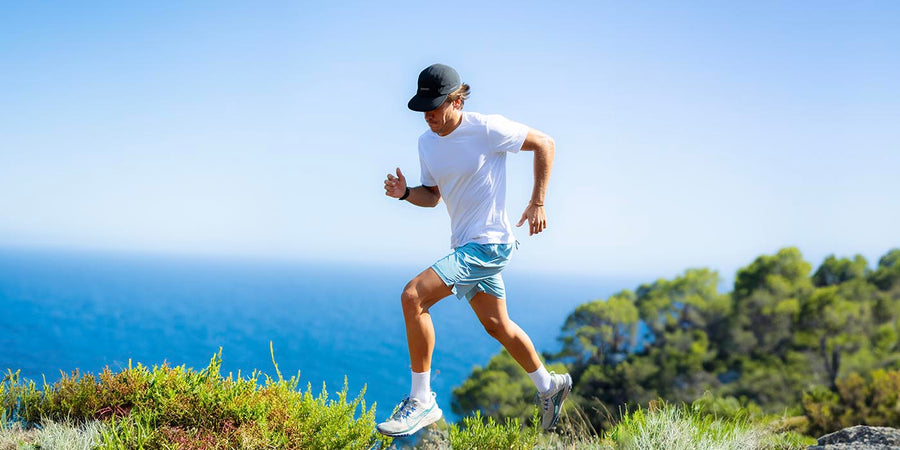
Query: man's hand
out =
(395, 186)
(537, 219)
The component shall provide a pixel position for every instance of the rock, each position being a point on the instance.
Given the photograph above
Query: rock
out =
(433, 437)
(860, 437)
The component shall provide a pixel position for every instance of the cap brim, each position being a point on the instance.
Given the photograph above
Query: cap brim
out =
(423, 104)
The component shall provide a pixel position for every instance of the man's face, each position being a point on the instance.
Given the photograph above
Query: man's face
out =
(445, 118)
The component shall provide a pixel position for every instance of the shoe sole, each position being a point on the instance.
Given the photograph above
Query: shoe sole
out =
(429, 419)
(565, 394)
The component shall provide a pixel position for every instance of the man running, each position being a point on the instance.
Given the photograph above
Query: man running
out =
(463, 161)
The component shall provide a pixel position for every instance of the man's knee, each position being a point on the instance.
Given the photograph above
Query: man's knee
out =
(410, 298)
(495, 327)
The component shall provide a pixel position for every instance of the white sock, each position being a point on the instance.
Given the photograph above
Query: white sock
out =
(541, 379)
(421, 387)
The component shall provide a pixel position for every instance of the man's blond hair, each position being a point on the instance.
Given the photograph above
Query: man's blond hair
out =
(460, 94)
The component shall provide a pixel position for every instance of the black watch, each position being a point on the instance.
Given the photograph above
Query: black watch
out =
(405, 195)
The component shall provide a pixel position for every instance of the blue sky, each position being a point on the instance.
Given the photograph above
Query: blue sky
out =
(688, 133)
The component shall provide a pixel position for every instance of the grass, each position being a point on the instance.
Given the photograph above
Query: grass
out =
(52, 435)
(174, 407)
(660, 427)
(664, 426)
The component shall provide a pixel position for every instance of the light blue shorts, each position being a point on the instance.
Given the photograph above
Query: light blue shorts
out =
(475, 268)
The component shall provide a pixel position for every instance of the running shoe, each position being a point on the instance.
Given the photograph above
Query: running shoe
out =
(410, 416)
(551, 402)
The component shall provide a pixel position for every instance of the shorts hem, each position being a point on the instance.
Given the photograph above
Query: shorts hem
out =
(446, 280)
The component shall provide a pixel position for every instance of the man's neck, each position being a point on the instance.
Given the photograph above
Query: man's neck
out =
(456, 124)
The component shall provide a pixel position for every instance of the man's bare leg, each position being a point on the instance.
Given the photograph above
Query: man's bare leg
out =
(418, 410)
(421, 293)
(491, 311)
(552, 388)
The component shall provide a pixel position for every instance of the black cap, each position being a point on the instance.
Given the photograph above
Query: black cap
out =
(435, 83)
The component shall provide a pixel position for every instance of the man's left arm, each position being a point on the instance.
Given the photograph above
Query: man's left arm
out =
(543, 148)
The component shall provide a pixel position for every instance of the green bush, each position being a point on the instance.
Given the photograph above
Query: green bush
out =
(726, 407)
(478, 433)
(874, 402)
(166, 407)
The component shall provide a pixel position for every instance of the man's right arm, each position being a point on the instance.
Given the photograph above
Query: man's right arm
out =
(425, 196)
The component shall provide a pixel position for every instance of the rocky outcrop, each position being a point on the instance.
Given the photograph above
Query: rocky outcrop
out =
(860, 437)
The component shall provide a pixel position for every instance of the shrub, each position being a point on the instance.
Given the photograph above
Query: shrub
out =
(480, 434)
(857, 401)
(176, 407)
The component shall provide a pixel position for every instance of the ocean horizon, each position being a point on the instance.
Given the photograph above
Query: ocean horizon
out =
(68, 310)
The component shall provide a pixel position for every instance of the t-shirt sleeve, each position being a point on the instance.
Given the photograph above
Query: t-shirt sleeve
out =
(505, 135)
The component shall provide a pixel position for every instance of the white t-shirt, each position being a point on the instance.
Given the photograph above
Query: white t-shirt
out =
(469, 167)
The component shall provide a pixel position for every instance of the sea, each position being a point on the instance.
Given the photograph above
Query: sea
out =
(62, 310)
